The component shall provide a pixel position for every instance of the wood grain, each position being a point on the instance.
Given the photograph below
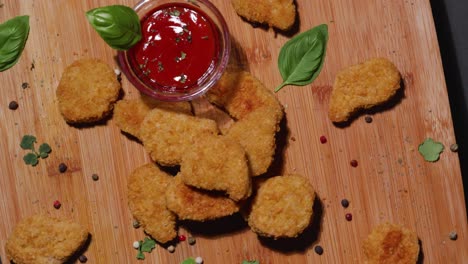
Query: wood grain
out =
(392, 182)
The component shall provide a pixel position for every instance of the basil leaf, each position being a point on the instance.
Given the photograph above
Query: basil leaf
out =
(13, 36)
(118, 25)
(301, 58)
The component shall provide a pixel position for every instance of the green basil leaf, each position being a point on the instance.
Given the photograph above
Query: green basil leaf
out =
(301, 58)
(13, 36)
(118, 25)
(31, 159)
(44, 148)
(27, 142)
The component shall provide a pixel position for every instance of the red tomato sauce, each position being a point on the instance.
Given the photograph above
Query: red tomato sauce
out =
(178, 47)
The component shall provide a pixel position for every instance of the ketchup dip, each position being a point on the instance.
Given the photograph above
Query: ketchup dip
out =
(180, 50)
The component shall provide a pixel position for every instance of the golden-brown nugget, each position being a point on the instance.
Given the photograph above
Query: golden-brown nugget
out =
(240, 93)
(146, 199)
(129, 113)
(256, 134)
(391, 244)
(217, 163)
(277, 13)
(168, 135)
(363, 86)
(87, 91)
(41, 239)
(189, 203)
(282, 207)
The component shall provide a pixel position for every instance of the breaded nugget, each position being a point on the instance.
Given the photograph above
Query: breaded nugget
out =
(129, 113)
(282, 207)
(363, 86)
(391, 244)
(146, 199)
(240, 93)
(168, 135)
(87, 91)
(189, 203)
(42, 239)
(277, 13)
(256, 134)
(217, 163)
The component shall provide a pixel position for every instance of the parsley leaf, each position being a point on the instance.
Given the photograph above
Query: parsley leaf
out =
(27, 142)
(430, 150)
(147, 245)
(250, 262)
(188, 261)
(31, 159)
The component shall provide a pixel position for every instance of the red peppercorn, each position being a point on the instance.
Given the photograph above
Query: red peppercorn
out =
(349, 217)
(353, 163)
(323, 139)
(57, 204)
(182, 238)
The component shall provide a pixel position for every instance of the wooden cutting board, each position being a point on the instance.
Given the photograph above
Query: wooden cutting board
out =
(391, 183)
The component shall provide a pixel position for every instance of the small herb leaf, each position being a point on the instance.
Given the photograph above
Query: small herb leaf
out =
(140, 255)
(13, 36)
(31, 159)
(43, 155)
(250, 262)
(430, 150)
(188, 261)
(301, 58)
(118, 25)
(148, 245)
(44, 148)
(27, 142)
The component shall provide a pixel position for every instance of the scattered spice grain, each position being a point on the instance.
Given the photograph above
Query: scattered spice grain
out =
(62, 167)
(318, 250)
(353, 163)
(171, 249)
(323, 139)
(136, 224)
(349, 217)
(57, 204)
(191, 240)
(182, 238)
(13, 105)
(345, 203)
(368, 119)
(83, 259)
(453, 235)
(25, 85)
(95, 177)
(454, 147)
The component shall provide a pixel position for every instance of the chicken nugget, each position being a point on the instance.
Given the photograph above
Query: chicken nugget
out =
(189, 203)
(240, 93)
(168, 135)
(391, 244)
(217, 163)
(277, 13)
(129, 113)
(282, 207)
(146, 199)
(363, 86)
(87, 91)
(41, 239)
(256, 134)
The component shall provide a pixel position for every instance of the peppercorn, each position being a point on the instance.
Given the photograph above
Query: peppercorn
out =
(368, 119)
(83, 259)
(453, 235)
(345, 203)
(24, 85)
(136, 224)
(318, 250)
(323, 139)
(349, 217)
(191, 241)
(62, 167)
(353, 163)
(57, 204)
(454, 147)
(95, 177)
(13, 105)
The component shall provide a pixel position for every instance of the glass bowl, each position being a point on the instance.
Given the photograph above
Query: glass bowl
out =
(221, 47)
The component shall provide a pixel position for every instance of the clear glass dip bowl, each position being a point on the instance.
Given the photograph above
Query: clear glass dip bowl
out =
(212, 74)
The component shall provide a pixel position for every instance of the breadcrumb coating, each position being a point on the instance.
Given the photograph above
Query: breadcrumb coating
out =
(363, 86)
(41, 239)
(146, 199)
(87, 91)
(391, 244)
